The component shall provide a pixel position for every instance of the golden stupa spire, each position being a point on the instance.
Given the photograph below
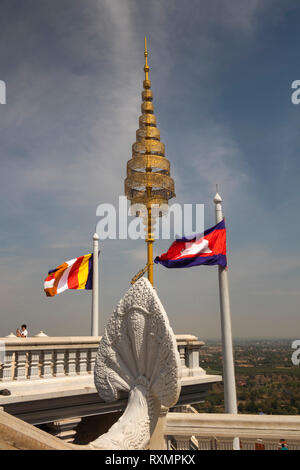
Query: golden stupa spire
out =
(148, 179)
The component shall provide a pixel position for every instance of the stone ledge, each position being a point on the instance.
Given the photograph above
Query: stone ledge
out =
(47, 342)
(16, 434)
(69, 386)
(231, 425)
(61, 342)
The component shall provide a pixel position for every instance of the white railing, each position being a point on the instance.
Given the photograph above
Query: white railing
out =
(45, 357)
(49, 357)
(211, 431)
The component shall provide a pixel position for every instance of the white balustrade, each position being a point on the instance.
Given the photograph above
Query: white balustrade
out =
(42, 357)
(216, 431)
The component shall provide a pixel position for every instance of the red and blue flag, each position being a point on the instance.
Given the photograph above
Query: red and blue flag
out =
(210, 249)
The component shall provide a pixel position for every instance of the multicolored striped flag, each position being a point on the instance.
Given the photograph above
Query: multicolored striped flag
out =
(209, 249)
(74, 274)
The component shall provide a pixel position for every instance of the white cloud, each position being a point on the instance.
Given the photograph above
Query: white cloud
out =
(217, 158)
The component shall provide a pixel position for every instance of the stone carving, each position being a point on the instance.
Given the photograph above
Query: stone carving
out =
(137, 354)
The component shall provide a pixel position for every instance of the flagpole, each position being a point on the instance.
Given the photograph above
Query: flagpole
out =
(95, 290)
(227, 348)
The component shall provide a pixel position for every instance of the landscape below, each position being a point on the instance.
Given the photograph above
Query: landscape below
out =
(267, 381)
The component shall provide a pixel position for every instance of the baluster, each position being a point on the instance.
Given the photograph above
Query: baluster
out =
(183, 443)
(7, 367)
(71, 362)
(33, 372)
(59, 363)
(20, 373)
(182, 352)
(46, 372)
(82, 362)
(92, 360)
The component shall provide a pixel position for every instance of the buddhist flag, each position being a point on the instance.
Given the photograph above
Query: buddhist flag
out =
(209, 249)
(74, 274)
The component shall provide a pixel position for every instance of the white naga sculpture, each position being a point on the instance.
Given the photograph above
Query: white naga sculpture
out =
(137, 354)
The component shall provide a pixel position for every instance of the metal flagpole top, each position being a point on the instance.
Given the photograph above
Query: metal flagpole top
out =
(217, 198)
(218, 205)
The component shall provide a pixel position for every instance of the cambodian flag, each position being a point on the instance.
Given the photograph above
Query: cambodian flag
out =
(209, 249)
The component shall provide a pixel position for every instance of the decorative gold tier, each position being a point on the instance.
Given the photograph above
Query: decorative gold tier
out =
(148, 172)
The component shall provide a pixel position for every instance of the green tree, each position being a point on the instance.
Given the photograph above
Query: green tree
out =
(241, 407)
(251, 407)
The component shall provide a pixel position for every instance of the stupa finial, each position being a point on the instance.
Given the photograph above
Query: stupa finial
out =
(146, 67)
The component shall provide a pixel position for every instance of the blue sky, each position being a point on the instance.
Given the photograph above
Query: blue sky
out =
(221, 75)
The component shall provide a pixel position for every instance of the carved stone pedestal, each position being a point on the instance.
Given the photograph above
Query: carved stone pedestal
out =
(158, 440)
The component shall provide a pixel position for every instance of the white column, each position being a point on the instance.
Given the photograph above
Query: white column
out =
(95, 292)
(228, 363)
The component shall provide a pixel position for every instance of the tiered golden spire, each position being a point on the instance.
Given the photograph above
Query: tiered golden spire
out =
(148, 179)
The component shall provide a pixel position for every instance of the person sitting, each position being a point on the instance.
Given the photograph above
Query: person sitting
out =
(23, 333)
